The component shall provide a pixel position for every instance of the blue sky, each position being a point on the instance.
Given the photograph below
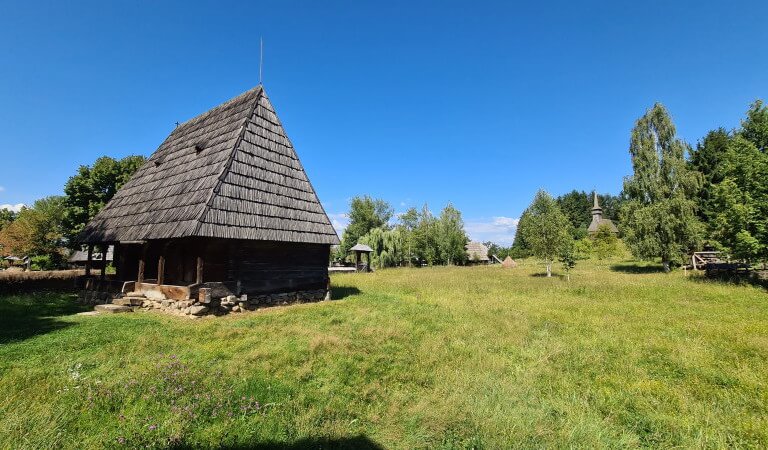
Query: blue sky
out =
(475, 103)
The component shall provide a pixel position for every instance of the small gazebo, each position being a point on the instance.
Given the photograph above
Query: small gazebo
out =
(359, 249)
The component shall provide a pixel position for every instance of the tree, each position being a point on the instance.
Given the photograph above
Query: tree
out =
(37, 231)
(659, 216)
(547, 229)
(409, 220)
(707, 159)
(568, 257)
(755, 127)
(387, 246)
(425, 242)
(738, 217)
(6, 217)
(734, 196)
(499, 251)
(365, 214)
(605, 242)
(611, 205)
(520, 246)
(92, 187)
(451, 238)
(576, 206)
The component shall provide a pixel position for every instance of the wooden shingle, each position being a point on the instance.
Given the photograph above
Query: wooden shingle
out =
(229, 173)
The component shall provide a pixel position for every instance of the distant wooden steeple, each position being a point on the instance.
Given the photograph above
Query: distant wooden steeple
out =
(597, 217)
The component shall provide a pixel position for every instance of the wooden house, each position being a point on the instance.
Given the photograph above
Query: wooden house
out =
(224, 203)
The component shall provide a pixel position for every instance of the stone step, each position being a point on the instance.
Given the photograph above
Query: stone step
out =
(110, 308)
(129, 301)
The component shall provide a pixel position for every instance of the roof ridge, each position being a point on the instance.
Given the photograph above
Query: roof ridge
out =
(228, 164)
(301, 166)
(215, 109)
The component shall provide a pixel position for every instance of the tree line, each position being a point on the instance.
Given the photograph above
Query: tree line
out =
(47, 228)
(415, 237)
(678, 200)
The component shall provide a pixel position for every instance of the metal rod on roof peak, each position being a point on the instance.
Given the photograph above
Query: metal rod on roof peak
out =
(261, 59)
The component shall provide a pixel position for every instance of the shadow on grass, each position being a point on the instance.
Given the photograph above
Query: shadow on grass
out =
(341, 292)
(637, 268)
(544, 275)
(27, 315)
(734, 279)
(356, 442)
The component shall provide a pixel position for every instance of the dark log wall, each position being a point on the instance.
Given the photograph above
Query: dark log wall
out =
(248, 267)
(267, 267)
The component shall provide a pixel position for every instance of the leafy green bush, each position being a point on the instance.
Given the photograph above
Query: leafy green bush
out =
(42, 262)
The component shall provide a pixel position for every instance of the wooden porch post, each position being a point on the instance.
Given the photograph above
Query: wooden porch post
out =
(103, 273)
(140, 277)
(89, 261)
(357, 261)
(199, 277)
(161, 268)
(116, 260)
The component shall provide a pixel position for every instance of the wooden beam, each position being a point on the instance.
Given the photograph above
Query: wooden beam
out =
(161, 269)
(142, 264)
(116, 261)
(89, 261)
(199, 277)
(103, 273)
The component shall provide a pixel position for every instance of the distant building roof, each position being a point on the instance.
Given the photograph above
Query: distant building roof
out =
(16, 258)
(476, 251)
(593, 227)
(80, 256)
(361, 248)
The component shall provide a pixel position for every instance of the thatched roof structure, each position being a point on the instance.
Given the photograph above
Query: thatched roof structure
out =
(476, 251)
(509, 263)
(230, 173)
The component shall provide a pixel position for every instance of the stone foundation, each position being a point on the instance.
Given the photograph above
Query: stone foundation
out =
(206, 305)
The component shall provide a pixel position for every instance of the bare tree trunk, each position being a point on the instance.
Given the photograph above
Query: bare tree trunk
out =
(666, 266)
(549, 269)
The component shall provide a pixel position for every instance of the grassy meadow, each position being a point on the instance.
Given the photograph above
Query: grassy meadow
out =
(459, 357)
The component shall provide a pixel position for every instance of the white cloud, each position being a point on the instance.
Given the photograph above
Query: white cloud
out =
(15, 208)
(500, 229)
(339, 222)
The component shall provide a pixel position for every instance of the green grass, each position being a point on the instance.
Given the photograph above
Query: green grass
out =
(622, 356)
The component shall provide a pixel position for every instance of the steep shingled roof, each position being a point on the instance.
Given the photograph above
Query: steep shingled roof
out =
(230, 173)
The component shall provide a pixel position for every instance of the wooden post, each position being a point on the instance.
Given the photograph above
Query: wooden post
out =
(140, 277)
(89, 261)
(103, 273)
(199, 278)
(357, 261)
(161, 268)
(116, 260)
